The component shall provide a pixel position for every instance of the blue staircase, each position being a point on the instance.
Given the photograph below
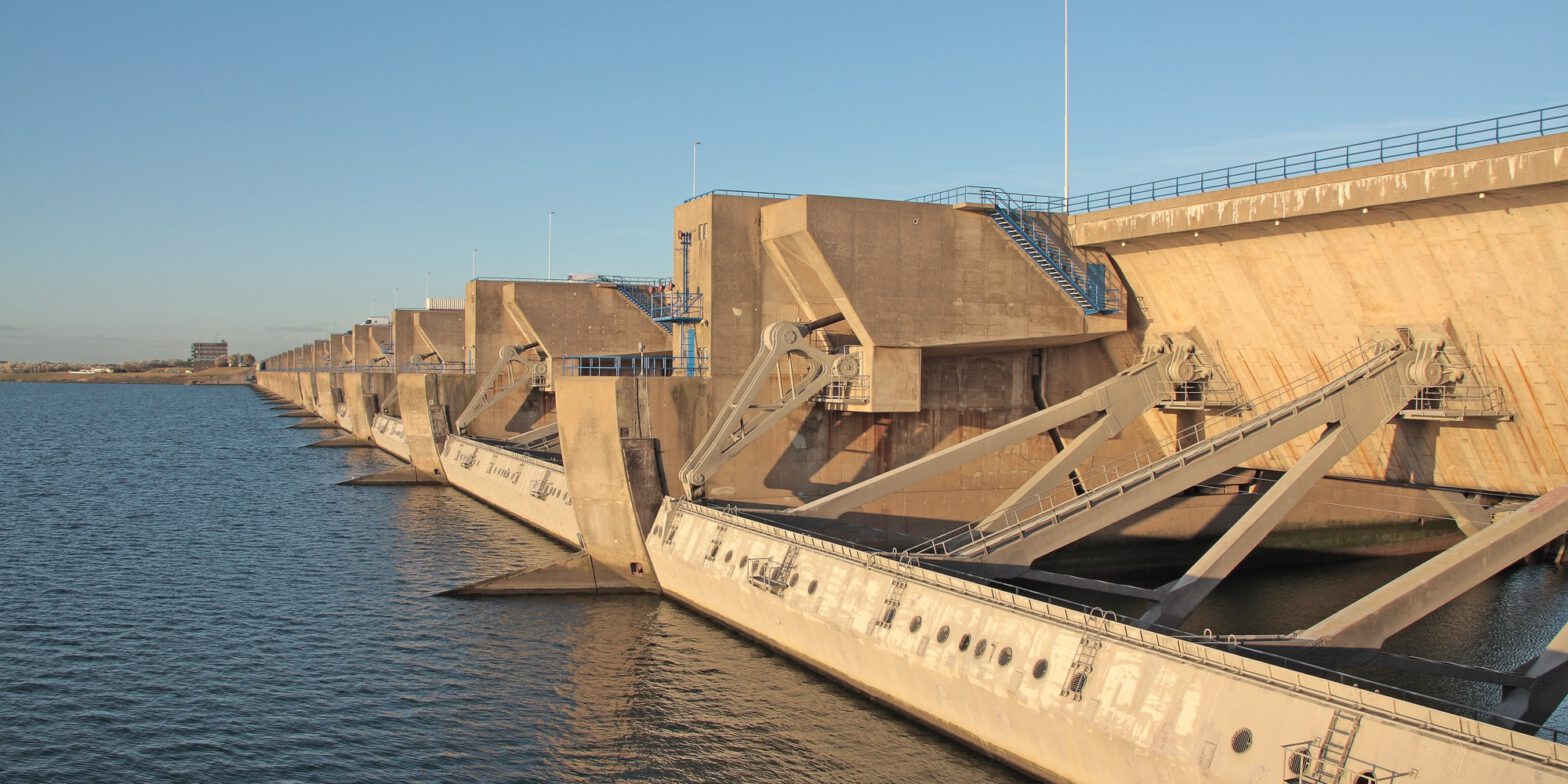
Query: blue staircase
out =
(1084, 282)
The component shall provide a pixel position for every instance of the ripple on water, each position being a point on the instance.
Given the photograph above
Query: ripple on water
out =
(191, 597)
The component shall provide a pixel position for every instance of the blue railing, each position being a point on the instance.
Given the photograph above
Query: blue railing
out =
(753, 194)
(986, 194)
(658, 298)
(1495, 130)
(1463, 136)
(634, 365)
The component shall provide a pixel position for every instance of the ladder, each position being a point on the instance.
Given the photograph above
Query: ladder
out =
(895, 595)
(1083, 664)
(1335, 753)
(714, 543)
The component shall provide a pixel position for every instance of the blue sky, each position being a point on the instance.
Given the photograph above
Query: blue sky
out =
(269, 172)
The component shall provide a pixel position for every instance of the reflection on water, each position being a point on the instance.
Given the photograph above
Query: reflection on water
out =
(190, 596)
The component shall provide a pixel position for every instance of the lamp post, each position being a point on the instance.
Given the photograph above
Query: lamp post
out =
(694, 146)
(473, 260)
(549, 246)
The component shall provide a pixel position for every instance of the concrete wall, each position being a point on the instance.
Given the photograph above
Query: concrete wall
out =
(529, 489)
(388, 435)
(1153, 708)
(429, 402)
(367, 340)
(1354, 253)
(921, 275)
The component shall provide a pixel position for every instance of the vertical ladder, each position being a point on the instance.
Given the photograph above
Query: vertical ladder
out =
(715, 542)
(1083, 664)
(1330, 765)
(895, 595)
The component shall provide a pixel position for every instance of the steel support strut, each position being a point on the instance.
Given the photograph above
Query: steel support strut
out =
(519, 373)
(1115, 401)
(741, 420)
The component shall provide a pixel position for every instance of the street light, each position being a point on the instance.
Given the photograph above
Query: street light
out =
(694, 169)
(549, 247)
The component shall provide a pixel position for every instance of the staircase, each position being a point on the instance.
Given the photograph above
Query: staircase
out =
(641, 293)
(1083, 282)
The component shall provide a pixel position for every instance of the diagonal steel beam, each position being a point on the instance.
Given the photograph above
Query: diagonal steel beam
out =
(1379, 615)
(1136, 388)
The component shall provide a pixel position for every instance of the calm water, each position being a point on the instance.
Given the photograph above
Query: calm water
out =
(188, 596)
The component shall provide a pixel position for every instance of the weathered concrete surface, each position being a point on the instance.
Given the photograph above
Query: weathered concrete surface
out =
(573, 574)
(426, 336)
(1275, 302)
(921, 275)
(367, 341)
(428, 403)
(529, 489)
(1152, 708)
(613, 472)
(388, 435)
(402, 475)
(349, 441)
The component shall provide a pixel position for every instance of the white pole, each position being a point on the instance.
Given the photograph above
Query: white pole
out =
(473, 259)
(549, 247)
(427, 289)
(1065, 127)
(694, 169)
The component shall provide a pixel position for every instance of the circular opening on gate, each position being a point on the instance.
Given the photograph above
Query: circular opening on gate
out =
(1005, 657)
(887, 617)
(914, 624)
(1077, 683)
(1040, 667)
(980, 649)
(729, 555)
(744, 560)
(941, 634)
(1241, 741)
(811, 587)
(963, 643)
(794, 578)
(658, 529)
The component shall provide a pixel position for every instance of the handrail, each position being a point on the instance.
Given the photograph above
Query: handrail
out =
(732, 192)
(1155, 637)
(1449, 138)
(1478, 133)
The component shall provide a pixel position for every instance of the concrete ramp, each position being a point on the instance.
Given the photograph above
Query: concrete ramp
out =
(572, 574)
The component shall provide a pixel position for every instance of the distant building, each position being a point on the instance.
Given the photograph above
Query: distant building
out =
(206, 355)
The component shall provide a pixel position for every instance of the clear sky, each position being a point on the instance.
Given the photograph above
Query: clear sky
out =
(268, 172)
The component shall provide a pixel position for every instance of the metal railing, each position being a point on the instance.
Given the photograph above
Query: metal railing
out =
(1479, 133)
(1036, 512)
(634, 365)
(753, 194)
(1449, 138)
(1454, 719)
(987, 194)
(438, 367)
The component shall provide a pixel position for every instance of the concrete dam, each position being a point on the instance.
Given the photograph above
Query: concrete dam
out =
(899, 442)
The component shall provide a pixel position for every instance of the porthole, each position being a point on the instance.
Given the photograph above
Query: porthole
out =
(1078, 682)
(728, 556)
(658, 529)
(914, 624)
(941, 634)
(1040, 667)
(980, 649)
(794, 578)
(887, 617)
(963, 643)
(1241, 741)
(1005, 657)
(811, 587)
(745, 559)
